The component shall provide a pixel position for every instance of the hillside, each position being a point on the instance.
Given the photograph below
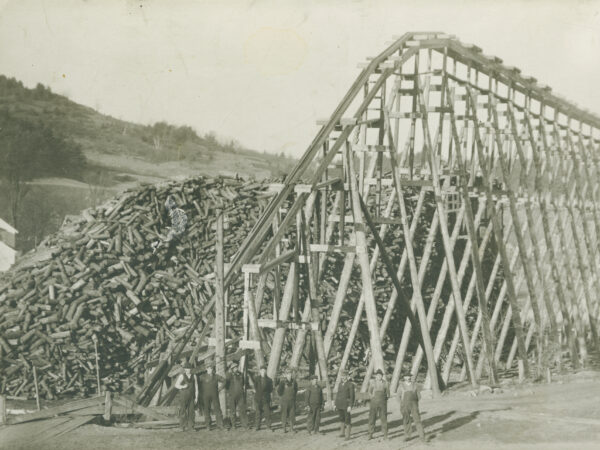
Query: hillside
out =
(110, 155)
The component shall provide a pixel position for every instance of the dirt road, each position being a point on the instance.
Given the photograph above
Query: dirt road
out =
(562, 415)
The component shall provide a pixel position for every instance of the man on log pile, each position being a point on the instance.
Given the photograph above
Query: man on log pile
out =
(378, 393)
(178, 225)
(186, 384)
(314, 400)
(263, 387)
(236, 396)
(209, 384)
(344, 401)
(287, 390)
(408, 396)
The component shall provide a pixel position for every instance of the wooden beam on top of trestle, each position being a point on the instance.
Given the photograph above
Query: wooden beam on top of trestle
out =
(541, 200)
(497, 226)
(460, 313)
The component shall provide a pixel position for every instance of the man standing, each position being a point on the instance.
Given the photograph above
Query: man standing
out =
(186, 384)
(344, 401)
(287, 390)
(314, 400)
(378, 393)
(210, 396)
(263, 387)
(409, 406)
(236, 396)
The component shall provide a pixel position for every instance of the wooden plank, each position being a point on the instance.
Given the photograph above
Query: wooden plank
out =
(65, 427)
(51, 412)
(127, 403)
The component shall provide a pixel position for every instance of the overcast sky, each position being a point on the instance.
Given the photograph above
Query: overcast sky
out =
(263, 72)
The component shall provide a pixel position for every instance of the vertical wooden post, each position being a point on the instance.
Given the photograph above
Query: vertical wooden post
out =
(37, 393)
(497, 227)
(456, 295)
(95, 339)
(363, 260)
(2, 409)
(107, 406)
(220, 331)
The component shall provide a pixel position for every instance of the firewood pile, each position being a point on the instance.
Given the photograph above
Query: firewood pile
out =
(98, 283)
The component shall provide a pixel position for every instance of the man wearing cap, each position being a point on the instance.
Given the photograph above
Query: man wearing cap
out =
(378, 393)
(236, 396)
(186, 384)
(210, 396)
(408, 396)
(263, 387)
(314, 401)
(344, 401)
(287, 390)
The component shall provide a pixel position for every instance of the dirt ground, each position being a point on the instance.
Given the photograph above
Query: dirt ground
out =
(561, 415)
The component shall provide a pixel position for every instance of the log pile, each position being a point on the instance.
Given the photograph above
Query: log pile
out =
(98, 280)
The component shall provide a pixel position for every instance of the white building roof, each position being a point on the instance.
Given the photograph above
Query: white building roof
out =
(5, 226)
(7, 256)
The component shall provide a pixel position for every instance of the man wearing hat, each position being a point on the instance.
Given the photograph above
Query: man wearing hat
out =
(287, 390)
(210, 396)
(344, 401)
(186, 384)
(378, 393)
(314, 401)
(236, 396)
(409, 407)
(263, 387)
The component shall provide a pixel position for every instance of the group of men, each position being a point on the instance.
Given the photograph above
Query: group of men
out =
(205, 393)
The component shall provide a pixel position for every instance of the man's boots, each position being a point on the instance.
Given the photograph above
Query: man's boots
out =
(348, 431)
(342, 428)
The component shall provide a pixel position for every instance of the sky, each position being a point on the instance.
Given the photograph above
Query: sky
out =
(263, 72)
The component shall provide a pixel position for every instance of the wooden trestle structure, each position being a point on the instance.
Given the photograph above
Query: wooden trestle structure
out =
(507, 164)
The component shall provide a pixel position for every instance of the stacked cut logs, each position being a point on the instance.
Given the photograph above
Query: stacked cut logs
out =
(99, 281)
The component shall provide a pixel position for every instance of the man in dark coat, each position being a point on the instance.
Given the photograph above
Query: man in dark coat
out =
(236, 396)
(314, 400)
(344, 401)
(263, 387)
(409, 406)
(378, 393)
(210, 396)
(186, 384)
(287, 390)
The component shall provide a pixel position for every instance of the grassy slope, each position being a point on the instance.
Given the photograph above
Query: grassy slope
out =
(120, 154)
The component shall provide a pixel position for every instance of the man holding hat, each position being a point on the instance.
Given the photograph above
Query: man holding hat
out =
(186, 384)
(344, 401)
(378, 393)
(236, 396)
(409, 407)
(314, 400)
(210, 396)
(287, 390)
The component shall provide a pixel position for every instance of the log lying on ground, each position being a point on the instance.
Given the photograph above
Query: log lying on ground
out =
(98, 280)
